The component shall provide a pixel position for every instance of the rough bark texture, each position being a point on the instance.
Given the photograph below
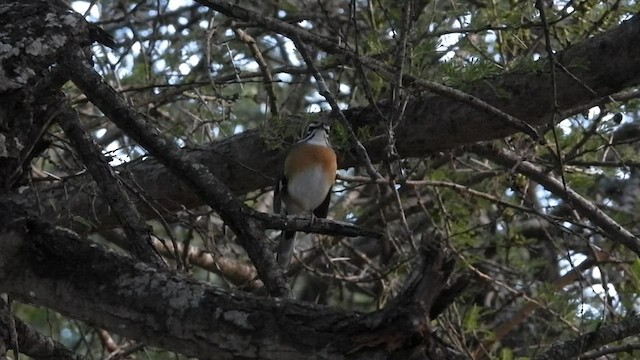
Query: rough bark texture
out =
(34, 35)
(55, 268)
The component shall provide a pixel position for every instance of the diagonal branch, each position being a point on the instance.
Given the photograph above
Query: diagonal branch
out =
(214, 192)
(584, 207)
(134, 225)
(264, 68)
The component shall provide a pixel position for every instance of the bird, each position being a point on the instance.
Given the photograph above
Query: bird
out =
(305, 184)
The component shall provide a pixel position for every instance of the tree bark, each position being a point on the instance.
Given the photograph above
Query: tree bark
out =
(52, 267)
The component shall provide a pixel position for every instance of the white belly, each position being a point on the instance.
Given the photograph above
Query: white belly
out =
(306, 190)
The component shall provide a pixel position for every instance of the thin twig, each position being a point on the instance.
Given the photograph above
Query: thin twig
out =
(399, 102)
(323, 89)
(264, 68)
(301, 35)
(554, 89)
(319, 226)
(506, 327)
(456, 187)
(32, 343)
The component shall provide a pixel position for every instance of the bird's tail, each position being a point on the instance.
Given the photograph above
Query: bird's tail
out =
(285, 248)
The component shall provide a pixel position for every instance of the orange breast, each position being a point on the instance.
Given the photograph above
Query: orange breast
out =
(304, 156)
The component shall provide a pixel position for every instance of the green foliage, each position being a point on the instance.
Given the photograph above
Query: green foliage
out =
(461, 75)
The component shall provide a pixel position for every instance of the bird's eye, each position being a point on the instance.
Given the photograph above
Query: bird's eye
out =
(317, 125)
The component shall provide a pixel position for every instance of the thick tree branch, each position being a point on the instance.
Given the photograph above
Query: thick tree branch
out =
(606, 63)
(55, 268)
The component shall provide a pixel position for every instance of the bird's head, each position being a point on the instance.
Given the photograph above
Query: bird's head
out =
(318, 125)
(318, 132)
